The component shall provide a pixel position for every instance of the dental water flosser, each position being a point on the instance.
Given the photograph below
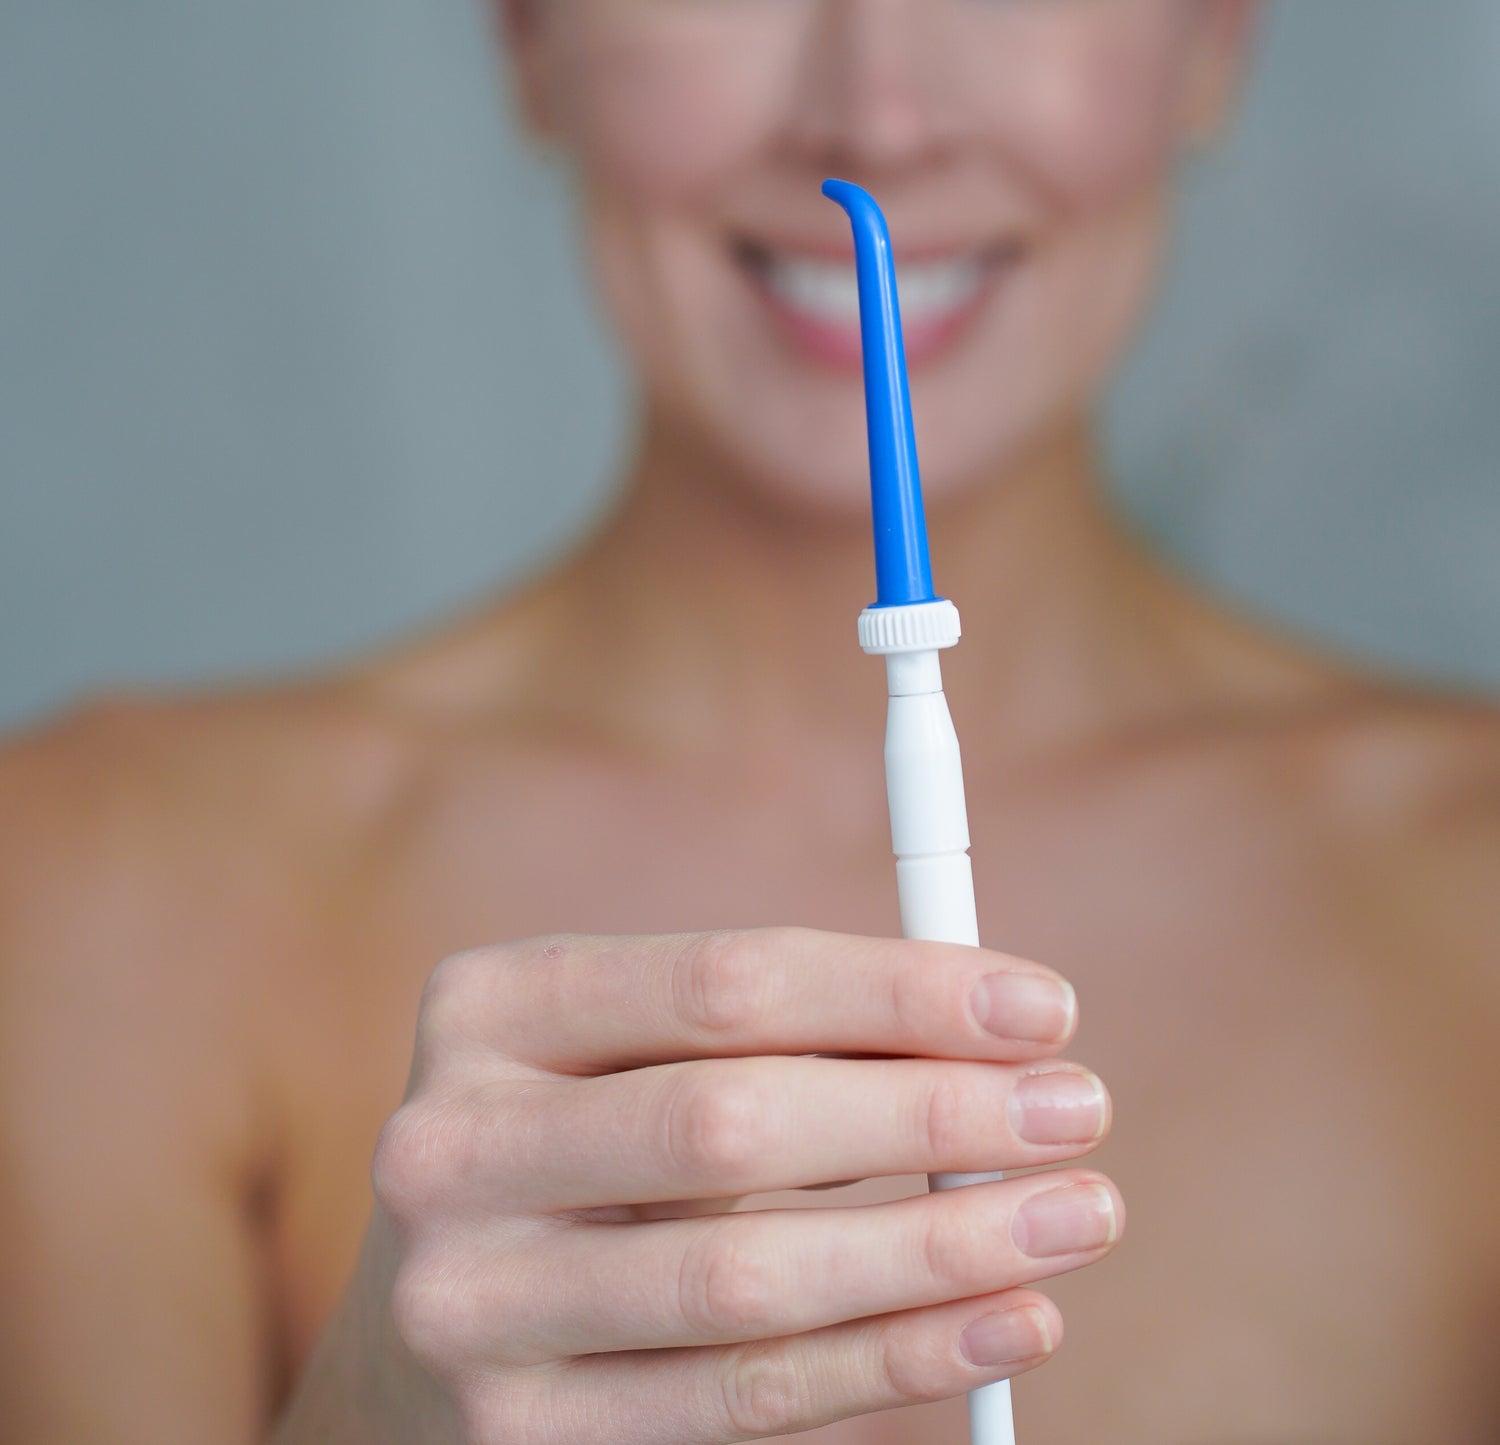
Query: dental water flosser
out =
(908, 626)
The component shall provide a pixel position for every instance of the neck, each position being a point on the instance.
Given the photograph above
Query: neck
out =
(706, 620)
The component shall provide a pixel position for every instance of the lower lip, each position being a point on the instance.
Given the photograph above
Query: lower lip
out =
(838, 347)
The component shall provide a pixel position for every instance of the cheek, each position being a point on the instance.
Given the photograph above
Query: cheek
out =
(657, 283)
(1088, 105)
(662, 104)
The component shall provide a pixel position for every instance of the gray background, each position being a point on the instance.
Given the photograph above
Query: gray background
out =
(293, 351)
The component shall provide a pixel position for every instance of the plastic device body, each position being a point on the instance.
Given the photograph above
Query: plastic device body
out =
(910, 627)
(924, 781)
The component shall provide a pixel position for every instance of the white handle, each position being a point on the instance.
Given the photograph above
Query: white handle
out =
(935, 883)
(930, 839)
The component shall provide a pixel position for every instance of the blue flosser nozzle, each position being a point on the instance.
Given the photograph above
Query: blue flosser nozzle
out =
(903, 569)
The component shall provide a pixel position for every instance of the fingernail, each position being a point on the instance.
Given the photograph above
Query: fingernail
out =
(1062, 1106)
(1006, 1339)
(1064, 1221)
(1028, 1007)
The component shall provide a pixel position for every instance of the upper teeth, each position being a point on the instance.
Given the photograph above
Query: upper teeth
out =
(829, 290)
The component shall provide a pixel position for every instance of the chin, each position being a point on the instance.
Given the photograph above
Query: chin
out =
(820, 474)
(825, 484)
(793, 438)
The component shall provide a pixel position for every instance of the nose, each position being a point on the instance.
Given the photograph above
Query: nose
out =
(870, 91)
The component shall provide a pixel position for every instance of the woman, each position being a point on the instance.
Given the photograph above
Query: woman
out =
(1266, 876)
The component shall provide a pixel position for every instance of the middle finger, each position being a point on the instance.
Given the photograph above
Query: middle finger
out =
(731, 1127)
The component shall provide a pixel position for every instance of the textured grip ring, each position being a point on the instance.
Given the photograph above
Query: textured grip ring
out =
(921, 627)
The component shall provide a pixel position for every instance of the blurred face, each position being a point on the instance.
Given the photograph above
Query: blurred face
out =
(1021, 149)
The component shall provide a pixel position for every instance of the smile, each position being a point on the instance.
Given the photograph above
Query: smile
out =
(814, 301)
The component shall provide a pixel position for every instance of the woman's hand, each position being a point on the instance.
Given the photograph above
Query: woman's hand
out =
(550, 1259)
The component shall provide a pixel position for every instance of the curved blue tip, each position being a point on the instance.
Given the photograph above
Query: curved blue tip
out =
(903, 569)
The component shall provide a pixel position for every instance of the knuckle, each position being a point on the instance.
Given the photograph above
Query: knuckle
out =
(423, 1149)
(945, 1116)
(398, 1174)
(903, 1369)
(720, 982)
(717, 1126)
(726, 1291)
(948, 1247)
(454, 988)
(460, 975)
(763, 1390)
(426, 1310)
(910, 1000)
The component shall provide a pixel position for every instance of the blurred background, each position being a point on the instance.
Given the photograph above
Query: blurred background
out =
(294, 352)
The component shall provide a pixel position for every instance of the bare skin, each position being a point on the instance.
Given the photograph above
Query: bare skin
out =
(238, 1199)
(1269, 879)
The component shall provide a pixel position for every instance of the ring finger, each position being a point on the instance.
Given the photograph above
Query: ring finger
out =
(763, 1274)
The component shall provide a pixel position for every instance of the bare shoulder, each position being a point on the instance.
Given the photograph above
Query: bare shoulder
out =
(1312, 733)
(159, 850)
(1403, 770)
(1420, 758)
(1388, 799)
(1378, 800)
(163, 865)
(1416, 778)
(216, 759)
(130, 781)
(1407, 786)
(1403, 785)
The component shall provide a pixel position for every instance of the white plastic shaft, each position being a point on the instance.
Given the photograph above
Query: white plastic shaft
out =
(930, 836)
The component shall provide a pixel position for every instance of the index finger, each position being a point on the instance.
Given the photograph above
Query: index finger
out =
(584, 1005)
